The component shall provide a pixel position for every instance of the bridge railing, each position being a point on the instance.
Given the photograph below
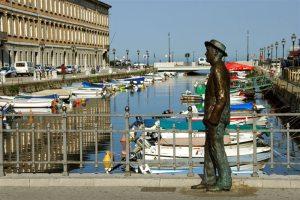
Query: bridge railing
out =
(65, 142)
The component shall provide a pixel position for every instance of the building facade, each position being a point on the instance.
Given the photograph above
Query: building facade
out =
(54, 32)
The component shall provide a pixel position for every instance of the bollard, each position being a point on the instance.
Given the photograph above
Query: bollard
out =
(190, 116)
(64, 132)
(1, 143)
(54, 74)
(127, 132)
(3, 79)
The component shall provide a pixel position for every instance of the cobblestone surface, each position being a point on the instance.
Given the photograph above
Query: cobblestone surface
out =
(105, 193)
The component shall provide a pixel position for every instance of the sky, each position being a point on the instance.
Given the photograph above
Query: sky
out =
(145, 24)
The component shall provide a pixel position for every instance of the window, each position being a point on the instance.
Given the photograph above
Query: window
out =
(25, 29)
(1, 23)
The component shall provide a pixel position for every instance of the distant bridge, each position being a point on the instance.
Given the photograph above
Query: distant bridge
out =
(180, 67)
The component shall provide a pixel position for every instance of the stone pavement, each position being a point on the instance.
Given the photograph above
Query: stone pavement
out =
(123, 193)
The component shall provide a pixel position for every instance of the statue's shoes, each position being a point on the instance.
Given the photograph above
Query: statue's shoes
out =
(216, 188)
(199, 186)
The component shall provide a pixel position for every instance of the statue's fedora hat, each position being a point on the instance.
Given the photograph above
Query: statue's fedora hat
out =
(218, 45)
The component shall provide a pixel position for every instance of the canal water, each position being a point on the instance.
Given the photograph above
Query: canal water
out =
(156, 98)
(151, 100)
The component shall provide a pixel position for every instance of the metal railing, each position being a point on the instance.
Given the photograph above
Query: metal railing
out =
(86, 137)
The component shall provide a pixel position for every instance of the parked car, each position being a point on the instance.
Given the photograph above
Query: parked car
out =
(8, 71)
(24, 67)
(58, 69)
(49, 69)
(202, 61)
(39, 68)
(70, 69)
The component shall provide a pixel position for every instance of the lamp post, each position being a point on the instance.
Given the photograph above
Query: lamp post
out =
(127, 56)
(272, 46)
(147, 54)
(42, 47)
(138, 54)
(264, 53)
(73, 49)
(293, 37)
(114, 52)
(247, 45)
(268, 48)
(261, 53)
(293, 41)
(283, 43)
(276, 47)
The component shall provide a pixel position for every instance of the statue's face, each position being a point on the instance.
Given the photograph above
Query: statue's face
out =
(210, 53)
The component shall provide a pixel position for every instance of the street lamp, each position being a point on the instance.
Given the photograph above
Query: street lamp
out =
(272, 51)
(138, 54)
(42, 47)
(73, 49)
(276, 47)
(264, 53)
(147, 54)
(127, 56)
(283, 43)
(114, 52)
(261, 54)
(268, 48)
(293, 40)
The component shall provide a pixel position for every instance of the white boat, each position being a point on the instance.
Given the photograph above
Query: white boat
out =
(32, 103)
(182, 154)
(241, 170)
(198, 138)
(33, 110)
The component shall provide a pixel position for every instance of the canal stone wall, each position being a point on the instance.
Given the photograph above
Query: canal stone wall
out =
(286, 92)
(36, 86)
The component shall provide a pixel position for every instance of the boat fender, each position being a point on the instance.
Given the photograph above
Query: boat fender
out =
(107, 161)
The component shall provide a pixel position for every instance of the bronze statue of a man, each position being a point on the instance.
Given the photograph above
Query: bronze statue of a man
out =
(217, 173)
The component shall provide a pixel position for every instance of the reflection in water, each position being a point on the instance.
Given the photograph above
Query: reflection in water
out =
(42, 140)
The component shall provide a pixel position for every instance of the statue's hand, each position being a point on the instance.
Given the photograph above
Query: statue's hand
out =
(208, 123)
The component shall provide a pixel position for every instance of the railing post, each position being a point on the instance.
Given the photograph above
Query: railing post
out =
(64, 132)
(158, 143)
(174, 147)
(1, 143)
(96, 147)
(237, 147)
(288, 145)
(127, 132)
(190, 115)
(33, 147)
(111, 144)
(254, 174)
(272, 145)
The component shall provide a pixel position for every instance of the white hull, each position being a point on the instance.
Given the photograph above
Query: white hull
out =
(182, 153)
(32, 103)
(33, 110)
(199, 138)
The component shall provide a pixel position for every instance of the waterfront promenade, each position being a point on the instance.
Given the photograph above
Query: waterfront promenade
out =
(108, 193)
